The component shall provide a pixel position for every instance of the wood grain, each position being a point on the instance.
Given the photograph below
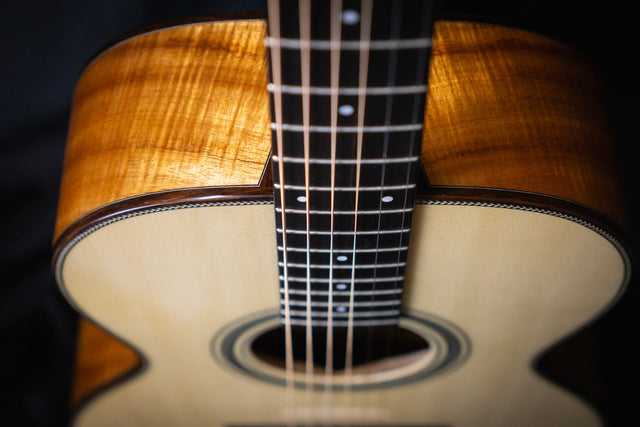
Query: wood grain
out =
(515, 110)
(180, 108)
(186, 107)
(101, 358)
(466, 266)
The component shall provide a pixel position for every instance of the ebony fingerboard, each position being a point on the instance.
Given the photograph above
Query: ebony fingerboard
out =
(347, 127)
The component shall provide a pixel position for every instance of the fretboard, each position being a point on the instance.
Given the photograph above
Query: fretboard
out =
(348, 83)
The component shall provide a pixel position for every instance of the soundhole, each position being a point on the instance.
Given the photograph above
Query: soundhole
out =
(420, 347)
(370, 349)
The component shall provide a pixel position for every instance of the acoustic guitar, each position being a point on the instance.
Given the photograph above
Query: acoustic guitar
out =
(446, 208)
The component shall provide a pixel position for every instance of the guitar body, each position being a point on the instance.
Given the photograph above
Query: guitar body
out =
(166, 237)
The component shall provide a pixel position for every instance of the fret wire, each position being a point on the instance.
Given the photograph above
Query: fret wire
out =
(358, 45)
(351, 313)
(355, 280)
(371, 188)
(382, 322)
(349, 91)
(341, 304)
(344, 233)
(287, 159)
(343, 293)
(367, 212)
(316, 250)
(385, 265)
(348, 129)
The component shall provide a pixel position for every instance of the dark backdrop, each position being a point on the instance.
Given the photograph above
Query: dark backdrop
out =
(44, 46)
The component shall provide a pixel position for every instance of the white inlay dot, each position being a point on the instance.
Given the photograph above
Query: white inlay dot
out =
(342, 258)
(341, 308)
(387, 199)
(301, 199)
(345, 110)
(341, 286)
(350, 17)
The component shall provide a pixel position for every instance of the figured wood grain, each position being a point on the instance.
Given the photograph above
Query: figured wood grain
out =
(186, 107)
(512, 109)
(99, 359)
(179, 108)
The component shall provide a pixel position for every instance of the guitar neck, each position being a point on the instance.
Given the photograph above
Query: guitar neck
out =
(348, 83)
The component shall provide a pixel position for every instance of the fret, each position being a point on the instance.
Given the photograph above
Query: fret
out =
(368, 313)
(343, 233)
(348, 91)
(335, 280)
(347, 129)
(375, 146)
(357, 45)
(343, 323)
(359, 212)
(367, 293)
(345, 242)
(370, 257)
(373, 266)
(346, 161)
(342, 304)
(357, 251)
(371, 175)
(337, 189)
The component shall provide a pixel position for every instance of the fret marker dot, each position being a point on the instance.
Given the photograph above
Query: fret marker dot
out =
(350, 17)
(341, 286)
(341, 308)
(342, 258)
(301, 199)
(387, 199)
(345, 110)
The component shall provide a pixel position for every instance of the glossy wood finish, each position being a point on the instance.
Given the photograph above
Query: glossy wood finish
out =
(506, 109)
(101, 359)
(511, 109)
(180, 108)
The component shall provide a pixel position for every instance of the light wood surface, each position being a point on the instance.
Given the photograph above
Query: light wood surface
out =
(219, 265)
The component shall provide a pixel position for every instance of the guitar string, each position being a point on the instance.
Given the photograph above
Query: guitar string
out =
(363, 69)
(396, 20)
(421, 70)
(273, 11)
(336, 29)
(304, 17)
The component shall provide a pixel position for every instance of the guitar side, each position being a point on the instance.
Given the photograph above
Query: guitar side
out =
(220, 137)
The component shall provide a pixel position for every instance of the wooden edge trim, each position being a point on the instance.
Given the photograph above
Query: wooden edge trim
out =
(542, 203)
(490, 197)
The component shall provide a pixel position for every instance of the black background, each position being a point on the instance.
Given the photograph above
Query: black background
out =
(44, 46)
